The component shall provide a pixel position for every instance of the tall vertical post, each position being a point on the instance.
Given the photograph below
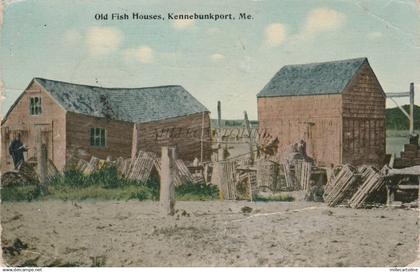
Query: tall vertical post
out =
(167, 177)
(248, 128)
(202, 139)
(412, 108)
(219, 115)
(42, 157)
(134, 142)
(219, 132)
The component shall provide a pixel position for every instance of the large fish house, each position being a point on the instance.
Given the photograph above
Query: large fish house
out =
(337, 107)
(80, 121)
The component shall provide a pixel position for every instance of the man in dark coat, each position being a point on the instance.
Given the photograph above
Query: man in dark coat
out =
(16, 150)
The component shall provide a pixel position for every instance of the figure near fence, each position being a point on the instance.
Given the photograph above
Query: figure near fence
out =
(16, 150)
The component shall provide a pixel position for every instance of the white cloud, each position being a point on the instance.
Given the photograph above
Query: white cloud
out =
(143, 54)
(375, 35)
(323, 20)
(72, 37)
(183, 24)
(102, 41)
(217, 57)
(275, 34)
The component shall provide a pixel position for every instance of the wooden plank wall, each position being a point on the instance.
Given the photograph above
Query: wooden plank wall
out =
(287, 117)
(20, 121)
(183, 132)
(118, 137)
(364, 120)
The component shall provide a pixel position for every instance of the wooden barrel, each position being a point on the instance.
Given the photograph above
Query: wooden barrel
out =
(267, 175)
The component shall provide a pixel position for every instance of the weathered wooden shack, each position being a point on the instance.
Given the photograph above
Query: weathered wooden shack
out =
(80, 121)
(337, 107)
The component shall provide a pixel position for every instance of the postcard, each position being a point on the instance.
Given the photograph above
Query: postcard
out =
(186, 133)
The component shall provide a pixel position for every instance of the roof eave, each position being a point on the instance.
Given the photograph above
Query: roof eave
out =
(314, 94)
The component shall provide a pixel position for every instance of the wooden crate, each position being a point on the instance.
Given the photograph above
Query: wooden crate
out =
(402, 163)
(408, 154)
(410, 147)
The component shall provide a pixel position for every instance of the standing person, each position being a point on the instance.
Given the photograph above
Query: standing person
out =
(16, 150)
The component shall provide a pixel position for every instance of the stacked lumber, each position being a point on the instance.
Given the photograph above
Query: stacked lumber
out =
(332, 178)
(252, 179)
(28, 171)
(267, 173)
(353, 186)
(246, 183)
(345, 184)
(372, 181)
(288, 176)
(303, 170)
(224, 176)
(92, 166)
(200, 172)
(28, 174)
(141, 168)
(410, 156)
(138, 169)
(183, 174)
(52, 171)
(12, 178)
(123, 166)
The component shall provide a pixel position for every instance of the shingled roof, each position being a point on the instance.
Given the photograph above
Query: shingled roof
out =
(137, 105)
(312, 78)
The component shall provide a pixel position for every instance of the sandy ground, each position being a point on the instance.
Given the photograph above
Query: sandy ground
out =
(212, 233)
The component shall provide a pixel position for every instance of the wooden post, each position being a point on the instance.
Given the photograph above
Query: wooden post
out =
(248, 128)
(390, 195)
(411, 108)
(167, 178)
(251, 196)
(42, 158)
(134, 142)
(392, 161)
(220, 153)
(219, 114)
(202, 139)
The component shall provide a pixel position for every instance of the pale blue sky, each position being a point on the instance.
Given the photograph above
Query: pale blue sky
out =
(229, 61)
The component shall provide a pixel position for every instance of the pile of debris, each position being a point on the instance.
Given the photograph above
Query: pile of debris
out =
(27, 173)
(372, 182)
(353, 187)
(238, 179)
(140, 169)
(410, 156)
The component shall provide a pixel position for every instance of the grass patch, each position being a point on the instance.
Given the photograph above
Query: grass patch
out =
(196, 192)
(194, 197)
(105, 185)
(279, 197)
(128, 192)
(20, 193)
